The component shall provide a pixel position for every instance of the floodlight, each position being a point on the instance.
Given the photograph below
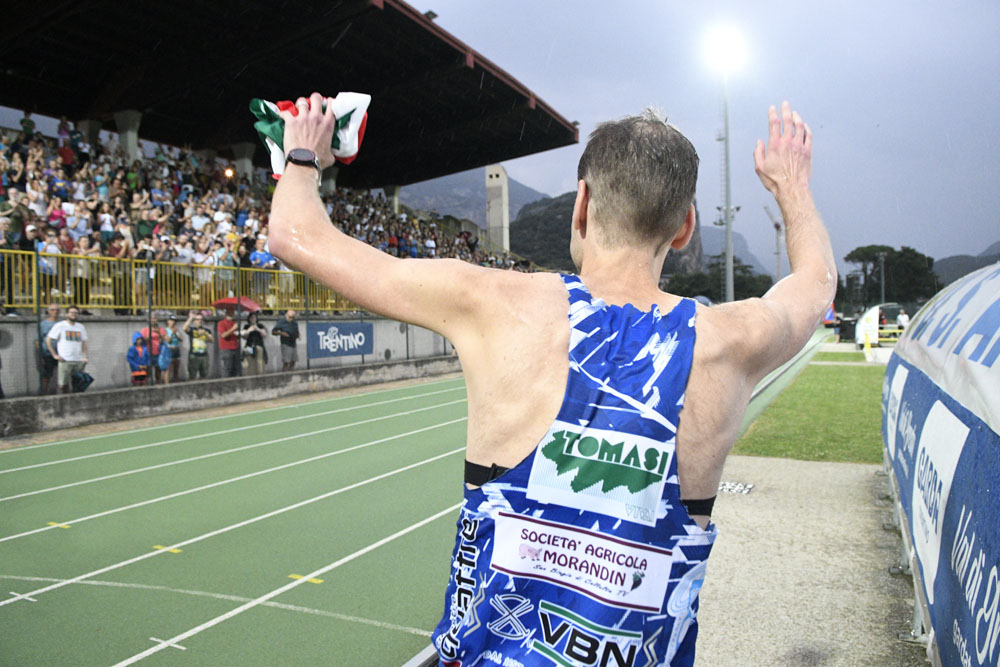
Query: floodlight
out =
(725, 49)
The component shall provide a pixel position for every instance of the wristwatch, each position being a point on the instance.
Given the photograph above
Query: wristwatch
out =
(305, 158)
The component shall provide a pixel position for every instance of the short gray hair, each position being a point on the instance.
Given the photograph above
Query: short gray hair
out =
(641, 172)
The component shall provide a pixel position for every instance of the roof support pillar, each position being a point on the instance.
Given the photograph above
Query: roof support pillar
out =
(127, 122)
(243, 152)
(207, 155)
(91, 130)
(392, 192)
(329, 183)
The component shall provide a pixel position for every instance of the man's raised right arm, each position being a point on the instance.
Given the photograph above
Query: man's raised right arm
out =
(440, 294)
(791, 310)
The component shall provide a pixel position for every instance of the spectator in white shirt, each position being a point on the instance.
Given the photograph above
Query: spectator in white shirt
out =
(200, 219)
(902, 319)
(67, 342)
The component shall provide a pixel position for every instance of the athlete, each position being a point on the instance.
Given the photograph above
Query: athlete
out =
(601, 409)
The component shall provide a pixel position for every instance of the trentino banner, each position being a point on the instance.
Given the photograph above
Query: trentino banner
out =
(940, 425)
(339, 339)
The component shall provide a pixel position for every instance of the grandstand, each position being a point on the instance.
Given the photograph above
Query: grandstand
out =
(438, 106)
(118, 230)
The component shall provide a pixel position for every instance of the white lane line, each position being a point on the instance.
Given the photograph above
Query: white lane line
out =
(166, 642)
(421, 658)
(239, 598)
(57, 524)
(18, 596)
(228, 430)
(226, 451)
(241, 524)
(229, 416)
(287, 587)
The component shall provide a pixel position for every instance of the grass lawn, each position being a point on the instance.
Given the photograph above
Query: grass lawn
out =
(850, 355)
(828, 413)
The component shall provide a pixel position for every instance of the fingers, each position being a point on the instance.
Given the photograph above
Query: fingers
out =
(774, 124)
(788, 125)
(301, 105)
(807, 140)
(758, 155)
(786, 120)
(316, 105)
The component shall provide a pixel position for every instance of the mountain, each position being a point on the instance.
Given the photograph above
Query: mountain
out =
(541, 233)
(463, 195)
(992, 250)
(713, 240)
(950, 269)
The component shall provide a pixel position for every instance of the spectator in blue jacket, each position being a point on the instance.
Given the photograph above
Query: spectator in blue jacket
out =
(138, 359)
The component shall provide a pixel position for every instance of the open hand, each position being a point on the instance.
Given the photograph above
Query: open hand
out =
(311, 128)
(786, 164)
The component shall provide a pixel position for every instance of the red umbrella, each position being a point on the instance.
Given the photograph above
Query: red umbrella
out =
(230, 302)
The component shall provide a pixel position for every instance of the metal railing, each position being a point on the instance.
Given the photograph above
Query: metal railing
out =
(29, 280)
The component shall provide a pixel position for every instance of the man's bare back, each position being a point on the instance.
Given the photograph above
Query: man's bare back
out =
(552, 535)
(510, 328)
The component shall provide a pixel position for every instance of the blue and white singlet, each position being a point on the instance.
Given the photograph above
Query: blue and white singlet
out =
(583, 554)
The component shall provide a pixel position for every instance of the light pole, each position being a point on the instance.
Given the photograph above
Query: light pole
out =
(881, 273)
(726, 52)
(777, 242)
(727, 211)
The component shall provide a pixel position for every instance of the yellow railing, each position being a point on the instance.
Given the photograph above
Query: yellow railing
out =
(130, 286)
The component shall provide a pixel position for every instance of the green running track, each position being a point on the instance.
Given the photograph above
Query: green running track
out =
(314, 533)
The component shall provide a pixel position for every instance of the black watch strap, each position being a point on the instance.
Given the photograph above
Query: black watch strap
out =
(304, 157)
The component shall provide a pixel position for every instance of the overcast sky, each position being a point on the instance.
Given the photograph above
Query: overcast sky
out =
(903, 99)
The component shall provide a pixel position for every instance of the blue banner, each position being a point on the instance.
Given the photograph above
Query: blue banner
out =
(940, 427)
(339, 339)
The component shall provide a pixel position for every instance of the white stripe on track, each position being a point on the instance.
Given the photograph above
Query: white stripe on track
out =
(287, 587)
(228, 430)
(225, 451)
(209, 419)
(225, 481)
(384, 625)
(241, 524)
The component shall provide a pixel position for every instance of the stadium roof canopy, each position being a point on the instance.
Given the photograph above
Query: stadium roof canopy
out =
(191, 68)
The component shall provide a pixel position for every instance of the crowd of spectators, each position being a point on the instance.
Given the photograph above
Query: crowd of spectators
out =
(61, 195)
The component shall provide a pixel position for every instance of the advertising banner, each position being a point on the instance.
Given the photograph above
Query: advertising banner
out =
(339, 339)
(941, 403)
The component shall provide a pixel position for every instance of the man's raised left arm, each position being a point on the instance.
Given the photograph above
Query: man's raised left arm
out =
(440, 294)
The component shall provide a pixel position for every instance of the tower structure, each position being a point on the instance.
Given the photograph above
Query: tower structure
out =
(497, 207)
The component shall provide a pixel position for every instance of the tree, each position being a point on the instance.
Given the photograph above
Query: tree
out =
(867, 257)
(909, 275)
(746, 283)
(694, 284)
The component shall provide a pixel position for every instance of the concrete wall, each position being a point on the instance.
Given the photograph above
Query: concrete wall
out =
(109, 339)
(43, 413)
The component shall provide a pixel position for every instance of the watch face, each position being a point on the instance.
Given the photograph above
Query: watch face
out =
(302, 155)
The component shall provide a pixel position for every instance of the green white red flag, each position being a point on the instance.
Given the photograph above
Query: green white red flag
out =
(351, 110)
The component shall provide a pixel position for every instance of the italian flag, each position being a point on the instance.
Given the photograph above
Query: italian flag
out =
(351, 110)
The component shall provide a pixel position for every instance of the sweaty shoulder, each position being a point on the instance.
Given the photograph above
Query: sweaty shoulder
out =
(749, 336)
(528, 295)
(515, 362)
